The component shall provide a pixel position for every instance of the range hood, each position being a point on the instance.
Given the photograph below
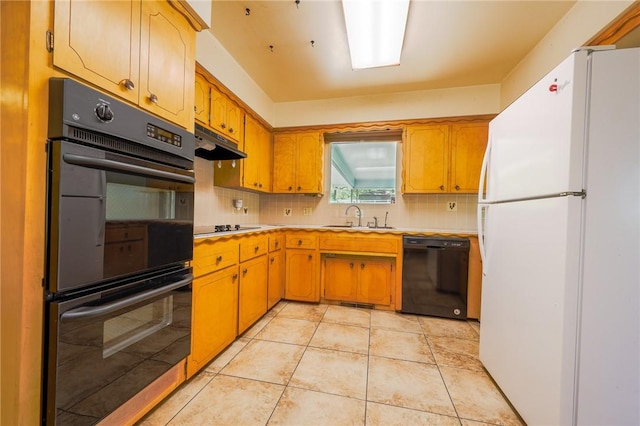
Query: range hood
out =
(213, 146)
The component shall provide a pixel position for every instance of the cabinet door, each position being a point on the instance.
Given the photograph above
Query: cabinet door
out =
(218, 108)
(253, 292)
(340, 279)
(284, 154)
(235, 122)
(251, 164)
(201, 100)
(468, 143)
(214, 316)
(308, 164)
(301, 281)
(276, 278)
(99, 42)
(266, 158)
(374, 285)
(167, 63)
(425, 159)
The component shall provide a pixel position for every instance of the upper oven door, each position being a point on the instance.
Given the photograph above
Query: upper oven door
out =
(112, 216)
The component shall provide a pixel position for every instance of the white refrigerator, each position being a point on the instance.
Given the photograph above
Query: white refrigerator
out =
(559, 231)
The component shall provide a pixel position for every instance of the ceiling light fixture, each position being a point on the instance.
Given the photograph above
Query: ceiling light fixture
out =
(375, 31)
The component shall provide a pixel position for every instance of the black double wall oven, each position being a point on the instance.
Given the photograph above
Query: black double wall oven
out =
(119, 246)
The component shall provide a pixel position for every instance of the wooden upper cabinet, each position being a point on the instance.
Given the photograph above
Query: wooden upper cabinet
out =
(297, 163)
(425, 157)
(443, 158)
(167, 63)
(227, 117)
(468, 144)
(201, 96)
(257, 166)
(141, 51)
(99, 41)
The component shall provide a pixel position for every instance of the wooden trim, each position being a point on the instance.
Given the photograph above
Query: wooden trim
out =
(185, 9)
(620, 27)
(385, 125)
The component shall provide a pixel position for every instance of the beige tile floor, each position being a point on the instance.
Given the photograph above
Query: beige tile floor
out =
(304, 364)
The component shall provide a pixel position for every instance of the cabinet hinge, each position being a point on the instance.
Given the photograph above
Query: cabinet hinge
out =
(49, 42)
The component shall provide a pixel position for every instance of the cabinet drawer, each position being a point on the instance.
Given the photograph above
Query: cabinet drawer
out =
(253, 246)
(276, 242)
(212, 255)
(302, 240)
(125, 233)
(346, 241)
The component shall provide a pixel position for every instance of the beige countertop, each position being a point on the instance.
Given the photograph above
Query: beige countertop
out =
(207, 231)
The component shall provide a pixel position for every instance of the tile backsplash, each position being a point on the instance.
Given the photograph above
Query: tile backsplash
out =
(215, 206)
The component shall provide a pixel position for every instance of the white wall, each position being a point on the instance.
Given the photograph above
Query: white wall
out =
(581, 23)
(396, 106)
(215, 59)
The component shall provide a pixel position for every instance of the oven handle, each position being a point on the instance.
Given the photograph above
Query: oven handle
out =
(81, 160)
(94, 311)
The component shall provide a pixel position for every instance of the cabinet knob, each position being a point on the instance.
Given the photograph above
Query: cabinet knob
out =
(219, 259)
(351, 265)
(255, 183)
(457, 187)
(441, 187)
(260, 185)
(299, 242)
(128, 84)
(273, 259)
(257, 248)
(224, 126)
(277, 243)
(230, 129)
(299, 188)
(310, 256)
(362, 266)
(234, 276)
(290, 188)
(244, 271)
(153, 98)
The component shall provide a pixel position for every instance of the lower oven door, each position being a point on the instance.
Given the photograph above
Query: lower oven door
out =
(104, 348)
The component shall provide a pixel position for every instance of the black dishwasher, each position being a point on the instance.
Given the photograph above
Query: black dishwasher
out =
(434, 276)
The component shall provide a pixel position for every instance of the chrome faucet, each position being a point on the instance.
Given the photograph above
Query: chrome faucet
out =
(359, 213)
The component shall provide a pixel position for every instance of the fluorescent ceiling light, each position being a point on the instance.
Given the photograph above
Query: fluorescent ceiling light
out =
(375, 30)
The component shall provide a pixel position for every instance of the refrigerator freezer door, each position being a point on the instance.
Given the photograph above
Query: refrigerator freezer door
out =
(529, 304)
(536, 144)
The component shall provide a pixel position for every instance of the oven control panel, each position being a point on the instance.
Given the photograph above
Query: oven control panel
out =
(163, 135)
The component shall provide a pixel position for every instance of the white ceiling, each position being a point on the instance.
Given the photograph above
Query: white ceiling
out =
(450, 43)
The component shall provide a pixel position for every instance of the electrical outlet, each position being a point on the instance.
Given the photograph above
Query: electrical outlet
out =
(287, 212)
(452, 206)
(306, 211)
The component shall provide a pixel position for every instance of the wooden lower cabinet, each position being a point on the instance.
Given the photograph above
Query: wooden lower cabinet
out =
(301, 275)
(215, 316)
(358, 279)
(275, 287)
(253, 292)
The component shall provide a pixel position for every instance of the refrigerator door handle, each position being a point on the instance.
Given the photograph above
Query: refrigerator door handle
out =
(483, 210)
(482, 195)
